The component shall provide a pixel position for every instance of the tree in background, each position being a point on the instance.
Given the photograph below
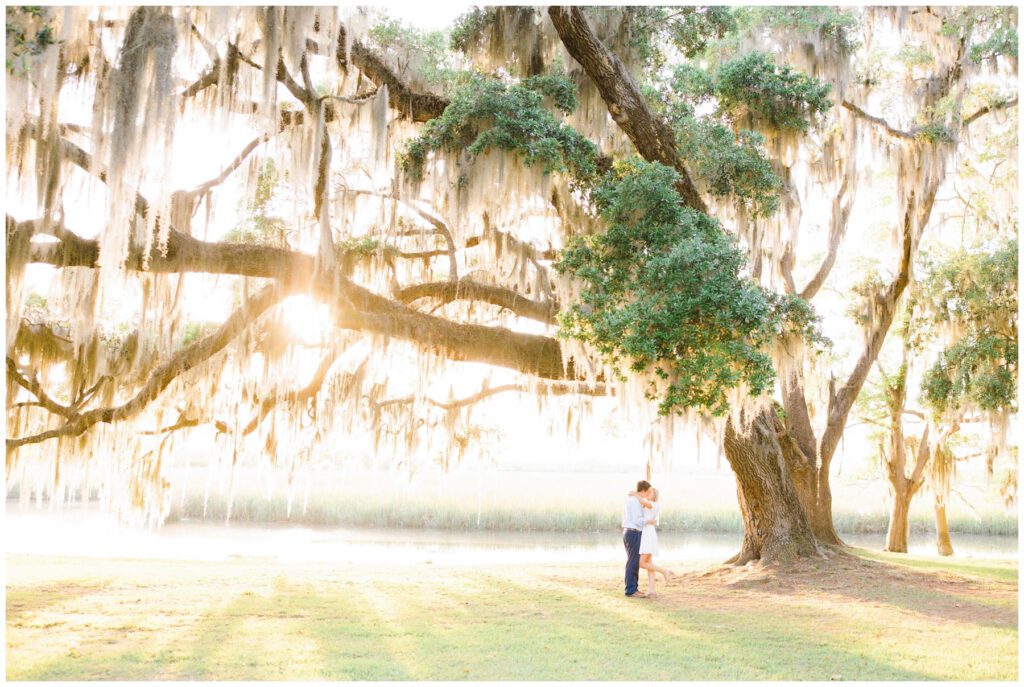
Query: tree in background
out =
(972, 303)
(961, 323)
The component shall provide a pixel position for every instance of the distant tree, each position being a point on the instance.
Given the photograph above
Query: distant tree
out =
(972, 298)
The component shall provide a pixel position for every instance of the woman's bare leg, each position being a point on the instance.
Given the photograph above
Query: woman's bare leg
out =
(651, 568)
(646, 564)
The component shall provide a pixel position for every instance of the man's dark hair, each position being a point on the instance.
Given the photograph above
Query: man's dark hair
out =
(643, 485)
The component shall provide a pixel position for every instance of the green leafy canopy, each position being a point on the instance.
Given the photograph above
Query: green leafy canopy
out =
(488, 113)
(424, 53)
(978, 294)
(664, 293)
(728, 158)
(663, 289)
(777, 94)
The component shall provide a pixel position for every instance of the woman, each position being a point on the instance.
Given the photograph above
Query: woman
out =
(649, 542)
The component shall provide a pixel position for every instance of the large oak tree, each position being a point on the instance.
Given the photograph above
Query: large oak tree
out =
(638, 140)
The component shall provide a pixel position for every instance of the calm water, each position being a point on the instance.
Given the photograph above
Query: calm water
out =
(91, 534)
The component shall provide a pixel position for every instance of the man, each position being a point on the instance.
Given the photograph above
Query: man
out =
(632, 526)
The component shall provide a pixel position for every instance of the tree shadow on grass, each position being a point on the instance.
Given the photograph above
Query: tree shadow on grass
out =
(22, 600)
(622, 638)
(297, 632)
(939, 594)
(300, 631)
(501, 629)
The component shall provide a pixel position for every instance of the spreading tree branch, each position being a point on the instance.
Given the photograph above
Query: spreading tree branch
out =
(970, 119)
(418, 106)
(554, 388)
(32, 385)
(467, 289)
(161, 377)
(651, 134)
(360, 308)
(878, 121)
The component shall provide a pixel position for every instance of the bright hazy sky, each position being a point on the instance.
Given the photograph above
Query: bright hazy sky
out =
(426, 15)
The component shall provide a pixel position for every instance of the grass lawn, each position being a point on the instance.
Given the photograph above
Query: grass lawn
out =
(868, 616)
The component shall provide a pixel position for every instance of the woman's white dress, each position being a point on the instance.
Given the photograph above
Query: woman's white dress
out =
(649, 534)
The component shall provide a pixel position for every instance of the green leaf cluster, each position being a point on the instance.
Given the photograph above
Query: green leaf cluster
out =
(469, 27)
(728, 163)
(423, 53)
(777, 94)
(360, 247)
(991, 31)
(689, 30)
(664, 290)
(730, 160)
(977, 292)
(27, 33)
(487, 114)
(197, 330)
(837, 24)
(934, 132)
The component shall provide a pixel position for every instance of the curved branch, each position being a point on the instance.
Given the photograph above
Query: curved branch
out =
(988, 108)
(919, 203)
(467, 289)
(304, 96)
(878, 121)
(231, 167)
(163, 375)
(651, 135)
(308, 391)
(439, 227)
(554, 388)
(88, 394)
(841, 218)
(208, 78)
(32, 385)
(442, 229)
(182, 423)
(420, 107)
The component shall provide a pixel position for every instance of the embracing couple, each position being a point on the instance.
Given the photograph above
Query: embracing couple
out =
(640, 535)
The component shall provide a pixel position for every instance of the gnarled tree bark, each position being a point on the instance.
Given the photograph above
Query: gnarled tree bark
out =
(775, 525)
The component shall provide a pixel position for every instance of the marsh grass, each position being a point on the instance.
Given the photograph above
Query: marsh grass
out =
(423, 513)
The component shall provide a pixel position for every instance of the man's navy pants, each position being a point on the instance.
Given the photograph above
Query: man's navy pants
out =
(631, 538)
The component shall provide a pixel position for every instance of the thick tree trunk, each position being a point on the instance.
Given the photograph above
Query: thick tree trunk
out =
(945, 546)
(821, 515)
(813, 483)
(899, 519)
(775, 524)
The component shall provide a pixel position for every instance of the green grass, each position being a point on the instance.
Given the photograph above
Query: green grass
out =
(1001, 570)
(72, 619)
(328, 509)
